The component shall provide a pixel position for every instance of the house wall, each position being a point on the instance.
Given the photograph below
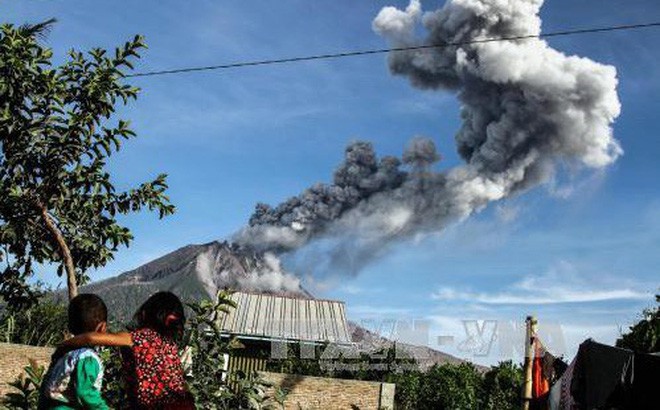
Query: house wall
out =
(13, 358)
(317, 393)
(245, 363)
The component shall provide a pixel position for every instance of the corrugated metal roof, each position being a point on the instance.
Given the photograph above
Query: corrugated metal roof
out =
(285, 318)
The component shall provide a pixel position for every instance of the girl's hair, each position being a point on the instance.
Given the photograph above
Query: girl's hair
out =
(163, 312)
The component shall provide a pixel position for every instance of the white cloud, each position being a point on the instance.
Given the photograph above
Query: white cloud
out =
(561, 284)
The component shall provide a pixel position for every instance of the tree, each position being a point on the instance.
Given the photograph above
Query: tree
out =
(502, 386)
(58, 204)
(644, 336)
(407, 391)
(449, 386)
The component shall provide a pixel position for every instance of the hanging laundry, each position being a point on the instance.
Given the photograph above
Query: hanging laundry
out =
(605, 377)
(560, 397)
(599, 375)
(540, 383)
(546, 369)
(553, 367)
(645, 392)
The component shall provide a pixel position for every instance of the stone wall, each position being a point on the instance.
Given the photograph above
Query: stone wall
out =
(316, 393)
(13, 358)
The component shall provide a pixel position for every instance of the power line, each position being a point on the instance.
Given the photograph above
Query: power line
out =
(394, 49)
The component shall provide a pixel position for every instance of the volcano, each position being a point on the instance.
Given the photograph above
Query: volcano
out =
(198, 271)
(195, 272)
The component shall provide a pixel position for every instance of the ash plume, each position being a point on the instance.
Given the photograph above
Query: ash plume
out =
(222, 265)
(526, 109)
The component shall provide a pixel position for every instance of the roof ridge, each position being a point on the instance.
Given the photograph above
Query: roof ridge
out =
(296, 297)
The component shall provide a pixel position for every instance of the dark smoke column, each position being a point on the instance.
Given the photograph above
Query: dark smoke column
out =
(308, 215)
(525, 109)
(525, 105)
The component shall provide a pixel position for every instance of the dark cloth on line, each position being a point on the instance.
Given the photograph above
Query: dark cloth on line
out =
(645, 392)
(599, 376)
(553, 367)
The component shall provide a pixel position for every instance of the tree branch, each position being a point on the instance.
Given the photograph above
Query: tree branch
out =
(67, 259)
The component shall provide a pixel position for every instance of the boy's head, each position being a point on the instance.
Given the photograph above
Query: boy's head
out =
(87, 313)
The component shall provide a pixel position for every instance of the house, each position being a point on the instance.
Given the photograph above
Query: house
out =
(264, 323)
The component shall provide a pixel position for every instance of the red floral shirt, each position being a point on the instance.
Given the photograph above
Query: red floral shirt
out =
(153, 372)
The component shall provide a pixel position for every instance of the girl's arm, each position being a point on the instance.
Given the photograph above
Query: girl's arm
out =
(99, 339)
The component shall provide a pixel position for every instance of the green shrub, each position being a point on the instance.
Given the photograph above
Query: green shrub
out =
(205, 348)
(27, 386)
(41, 324)
(114, 389)
(407, 391)
(503, 386)
(644, 336)
(450, 386)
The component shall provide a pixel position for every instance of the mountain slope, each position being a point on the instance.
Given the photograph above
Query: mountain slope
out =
(194, 272)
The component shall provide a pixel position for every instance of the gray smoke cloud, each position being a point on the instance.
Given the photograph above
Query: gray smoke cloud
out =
(526, 109)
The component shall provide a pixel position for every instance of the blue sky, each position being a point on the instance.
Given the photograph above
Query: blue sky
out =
(582, 253)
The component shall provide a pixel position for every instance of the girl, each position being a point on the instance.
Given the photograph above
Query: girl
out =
(151, 364)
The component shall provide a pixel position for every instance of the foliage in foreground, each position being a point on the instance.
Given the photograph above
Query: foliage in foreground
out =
(502, 386)
(205, 349)
(204, 358)
(58, 204)
(644, 336)
(41, 324)
(27, 395)
(459, 386)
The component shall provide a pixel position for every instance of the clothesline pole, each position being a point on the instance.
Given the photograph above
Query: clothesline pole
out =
(530, 323)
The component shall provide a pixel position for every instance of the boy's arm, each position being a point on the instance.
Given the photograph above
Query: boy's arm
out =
(99, 339)
(87, 392)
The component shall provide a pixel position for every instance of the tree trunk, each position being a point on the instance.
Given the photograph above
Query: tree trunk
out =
(65, 252)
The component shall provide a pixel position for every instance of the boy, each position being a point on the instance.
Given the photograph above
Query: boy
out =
(74, 379)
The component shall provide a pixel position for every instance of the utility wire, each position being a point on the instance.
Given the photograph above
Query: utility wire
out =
(394, 49)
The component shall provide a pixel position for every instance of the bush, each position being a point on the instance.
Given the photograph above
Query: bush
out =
(450, 386)
(407, 391)
(41, 324)
(644, 336)
(205, 349)
(461, 386)
(28, 389)
(204, 359)
(114, 389)
(503, 386)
